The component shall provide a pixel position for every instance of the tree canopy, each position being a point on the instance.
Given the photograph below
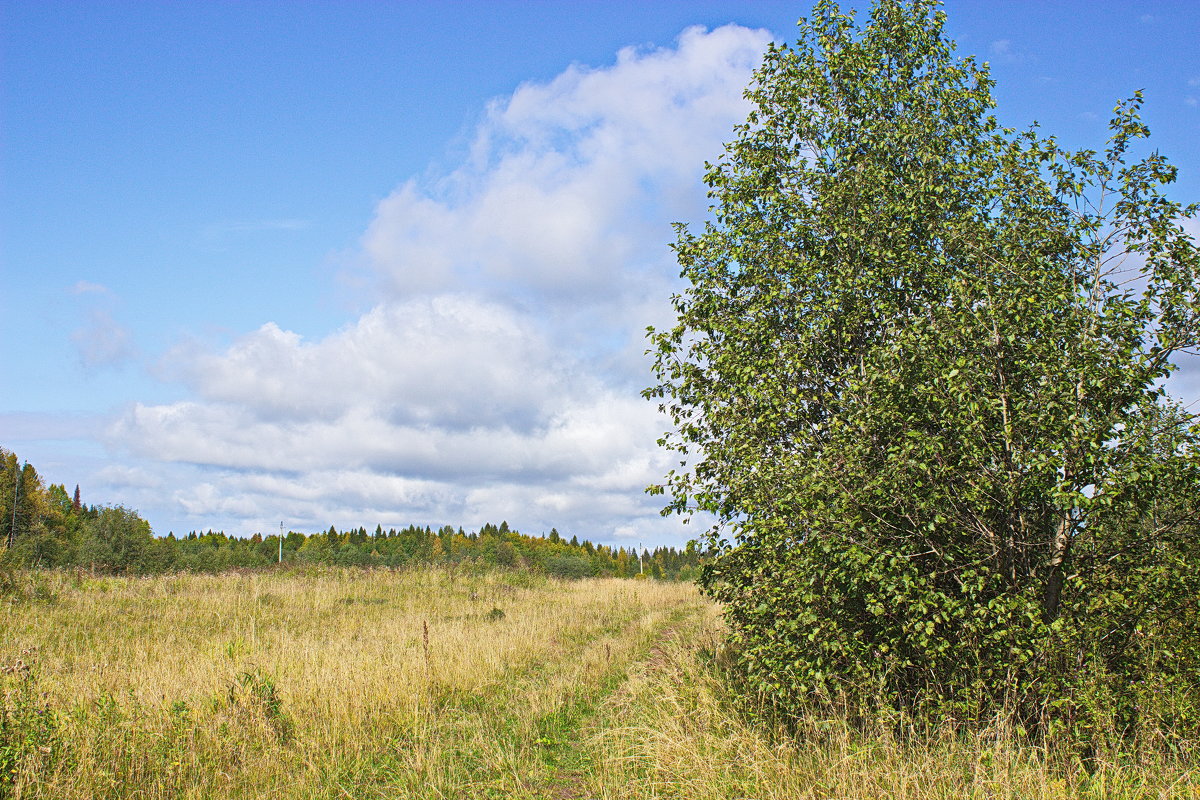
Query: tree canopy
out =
(916, 377)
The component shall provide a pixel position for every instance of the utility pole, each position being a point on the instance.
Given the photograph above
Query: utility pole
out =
(641, 564)
(280, 541)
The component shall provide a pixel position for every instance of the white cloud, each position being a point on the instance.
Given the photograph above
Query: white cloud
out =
(570, 184)
(584, 472)
(50, 427)
(446, 360)
(496, 375)
(586, 438)
(122, 476)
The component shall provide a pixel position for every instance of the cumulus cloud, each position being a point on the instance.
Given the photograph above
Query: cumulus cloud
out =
(569, 184)
(496, 375)
(583, 472)
(449, 360)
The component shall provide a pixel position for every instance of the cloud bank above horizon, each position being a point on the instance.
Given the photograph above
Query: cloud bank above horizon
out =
(496, 373)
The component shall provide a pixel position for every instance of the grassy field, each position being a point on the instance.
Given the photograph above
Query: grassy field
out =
(431, 684)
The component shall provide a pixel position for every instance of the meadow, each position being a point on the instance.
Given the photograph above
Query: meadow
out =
(437, 683)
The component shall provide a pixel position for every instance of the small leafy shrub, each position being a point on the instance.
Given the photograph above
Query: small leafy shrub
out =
(568, 567)
(256, 692)
(28, 726)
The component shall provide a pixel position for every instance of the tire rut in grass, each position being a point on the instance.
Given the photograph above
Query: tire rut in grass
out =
(522, 735)
(568, 756)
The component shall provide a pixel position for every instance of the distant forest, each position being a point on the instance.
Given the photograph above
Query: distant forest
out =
(50, 527)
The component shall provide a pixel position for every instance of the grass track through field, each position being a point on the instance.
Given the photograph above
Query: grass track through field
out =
(526, 734)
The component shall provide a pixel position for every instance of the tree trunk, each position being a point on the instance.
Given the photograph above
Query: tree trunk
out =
(1059, 549)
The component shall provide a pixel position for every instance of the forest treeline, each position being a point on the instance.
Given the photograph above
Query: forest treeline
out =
(51, 527)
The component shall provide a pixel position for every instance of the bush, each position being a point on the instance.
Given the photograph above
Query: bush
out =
(568, 567)
(923, 409)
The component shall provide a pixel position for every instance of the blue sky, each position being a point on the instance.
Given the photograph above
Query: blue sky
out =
(347, 263)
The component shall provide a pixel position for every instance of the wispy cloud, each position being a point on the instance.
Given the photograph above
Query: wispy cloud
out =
(40, 426)
(87, 287)
(221, 232)
(103, 342)
(1006, 51)
(260, 225)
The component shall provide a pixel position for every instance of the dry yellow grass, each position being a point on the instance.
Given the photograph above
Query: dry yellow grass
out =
(431, 684)
(670, 732)
(339, 683)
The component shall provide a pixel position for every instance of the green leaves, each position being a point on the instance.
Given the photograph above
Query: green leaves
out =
(910, 380)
